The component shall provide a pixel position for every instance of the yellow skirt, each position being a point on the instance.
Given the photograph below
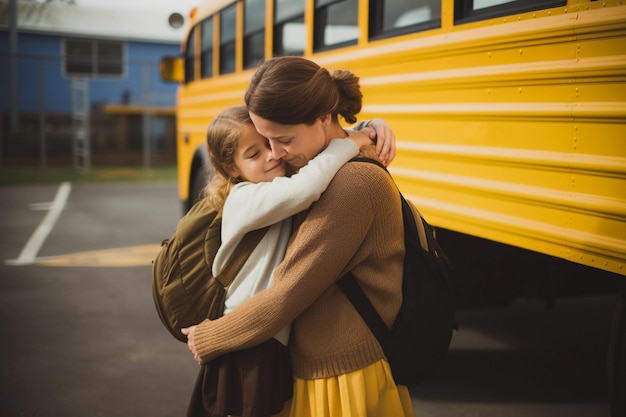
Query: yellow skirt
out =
(367, 392)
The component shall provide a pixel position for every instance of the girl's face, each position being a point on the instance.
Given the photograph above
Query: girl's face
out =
(294, 144)
(253, 158)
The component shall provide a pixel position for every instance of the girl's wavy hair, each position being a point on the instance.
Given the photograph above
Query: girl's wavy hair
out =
(223, 137)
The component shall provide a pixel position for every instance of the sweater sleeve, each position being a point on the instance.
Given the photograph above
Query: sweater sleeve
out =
(251, 206)
(327, 244)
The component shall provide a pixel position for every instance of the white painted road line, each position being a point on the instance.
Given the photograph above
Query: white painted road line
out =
(30, 251)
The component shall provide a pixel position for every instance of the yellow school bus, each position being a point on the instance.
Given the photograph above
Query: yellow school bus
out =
(510, 117)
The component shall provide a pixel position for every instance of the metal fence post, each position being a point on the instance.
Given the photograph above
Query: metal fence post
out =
(43, 148)
(14, 121)
(147, 119)
(80, 122)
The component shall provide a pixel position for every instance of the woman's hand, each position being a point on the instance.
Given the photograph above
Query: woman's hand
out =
(381, 132)
(190, 333)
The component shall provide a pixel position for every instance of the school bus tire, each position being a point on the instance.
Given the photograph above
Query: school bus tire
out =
(198, 181)
(616, 369)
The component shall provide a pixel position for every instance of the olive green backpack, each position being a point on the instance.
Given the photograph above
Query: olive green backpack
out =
(184, 290)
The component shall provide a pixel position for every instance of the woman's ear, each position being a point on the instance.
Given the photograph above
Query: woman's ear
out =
(326, 120)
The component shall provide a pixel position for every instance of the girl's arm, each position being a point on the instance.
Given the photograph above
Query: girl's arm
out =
(251, 206)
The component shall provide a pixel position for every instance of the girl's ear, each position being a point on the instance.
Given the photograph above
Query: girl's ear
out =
(233, 172)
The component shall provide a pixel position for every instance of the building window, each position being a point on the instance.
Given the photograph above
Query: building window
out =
(94, 57)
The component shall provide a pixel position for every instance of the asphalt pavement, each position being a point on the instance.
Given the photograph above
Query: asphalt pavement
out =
(80, 336)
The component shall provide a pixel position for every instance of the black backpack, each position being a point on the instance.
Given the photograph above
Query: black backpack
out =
(419, 338)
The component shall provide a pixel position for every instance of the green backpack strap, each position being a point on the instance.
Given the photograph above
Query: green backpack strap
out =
(241, 254)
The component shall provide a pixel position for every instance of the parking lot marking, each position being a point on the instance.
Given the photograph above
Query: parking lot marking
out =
(30, 251)
(142, 255)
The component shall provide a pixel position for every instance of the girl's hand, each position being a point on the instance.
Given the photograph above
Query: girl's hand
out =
(359, 137)
(385, 139)
(190, 333)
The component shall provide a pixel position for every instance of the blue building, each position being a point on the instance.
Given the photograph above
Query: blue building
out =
(109, 55)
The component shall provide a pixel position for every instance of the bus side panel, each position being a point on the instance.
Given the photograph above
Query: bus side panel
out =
(512, 133)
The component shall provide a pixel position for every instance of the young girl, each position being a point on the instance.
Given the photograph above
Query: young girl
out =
(252, 190)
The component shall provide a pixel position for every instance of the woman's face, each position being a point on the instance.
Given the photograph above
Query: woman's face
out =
(294, 144)
(253, 158)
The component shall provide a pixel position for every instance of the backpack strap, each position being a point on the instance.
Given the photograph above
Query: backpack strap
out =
(419, 224)
(351, 287)
(421, 230)
(363, 305)
(241, 254)
(353, 291)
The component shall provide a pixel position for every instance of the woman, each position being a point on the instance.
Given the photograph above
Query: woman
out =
(249, 186)
(356, 225)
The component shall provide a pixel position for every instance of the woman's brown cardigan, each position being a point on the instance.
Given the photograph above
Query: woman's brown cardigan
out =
(356, 225)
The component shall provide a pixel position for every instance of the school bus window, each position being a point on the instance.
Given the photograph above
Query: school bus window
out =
(228, 26)
(336, 23)
(395, 17)
(190, 55)
(483, 4)
(289, 30)
(472, 10)
(206, 57)
(253, 32)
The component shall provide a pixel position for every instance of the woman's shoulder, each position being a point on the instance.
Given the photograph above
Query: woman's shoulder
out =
(368, 152)
(366, 165)
(363, 176)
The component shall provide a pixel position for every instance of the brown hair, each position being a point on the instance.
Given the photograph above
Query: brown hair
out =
(223, 137)
(292, 90)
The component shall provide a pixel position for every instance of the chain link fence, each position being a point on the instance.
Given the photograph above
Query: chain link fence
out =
(47, 120)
